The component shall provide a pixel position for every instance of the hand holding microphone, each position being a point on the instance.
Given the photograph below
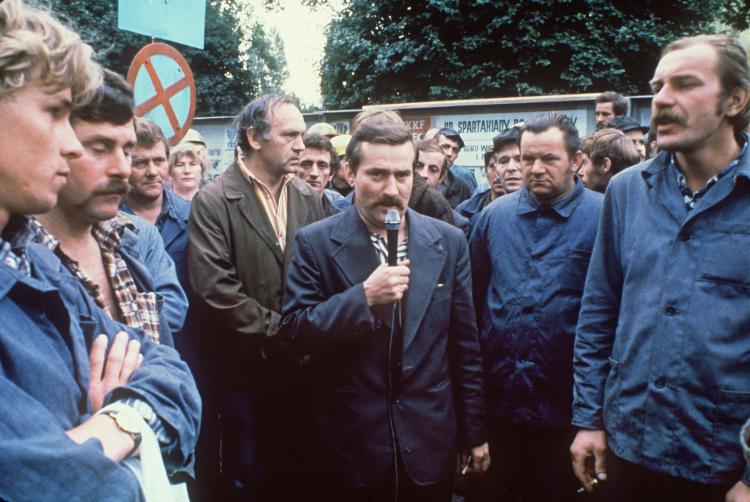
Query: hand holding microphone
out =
(389, 282)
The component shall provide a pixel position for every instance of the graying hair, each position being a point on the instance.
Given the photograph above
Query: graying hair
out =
(257, 116)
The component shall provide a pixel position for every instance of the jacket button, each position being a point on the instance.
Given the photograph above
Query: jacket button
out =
(659, 383)
(670, 311)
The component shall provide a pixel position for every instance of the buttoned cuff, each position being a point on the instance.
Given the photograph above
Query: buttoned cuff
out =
(590, 421)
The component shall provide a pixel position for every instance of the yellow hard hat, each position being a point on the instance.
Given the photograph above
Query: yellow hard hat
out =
(322, 128)
(193, 136)
(339, 144)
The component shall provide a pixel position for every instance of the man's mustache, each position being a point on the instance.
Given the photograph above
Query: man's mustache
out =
(115, 187)
(668, 117)
(392, 201)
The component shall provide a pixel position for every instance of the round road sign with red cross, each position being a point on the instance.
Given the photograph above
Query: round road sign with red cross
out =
(164, 89)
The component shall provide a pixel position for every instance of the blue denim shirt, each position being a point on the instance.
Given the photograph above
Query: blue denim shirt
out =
(47, 326)
(662, 351)
(529, 264)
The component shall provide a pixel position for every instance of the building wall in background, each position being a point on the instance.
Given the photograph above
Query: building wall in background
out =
(476, 120)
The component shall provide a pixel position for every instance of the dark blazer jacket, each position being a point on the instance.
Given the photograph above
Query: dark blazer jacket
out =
(237, 269)
(440, 404)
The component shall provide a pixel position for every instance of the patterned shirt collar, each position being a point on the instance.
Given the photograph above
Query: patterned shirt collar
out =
(276, 210)
(381, 248)
(255, 180)
(13, 241)
(107, 233)
(689, 197)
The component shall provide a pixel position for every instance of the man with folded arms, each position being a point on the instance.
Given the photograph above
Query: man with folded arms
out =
(54, 369)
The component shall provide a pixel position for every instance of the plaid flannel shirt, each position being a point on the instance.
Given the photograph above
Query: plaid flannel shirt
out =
(13, 251)
(691, 198)
(138, 308)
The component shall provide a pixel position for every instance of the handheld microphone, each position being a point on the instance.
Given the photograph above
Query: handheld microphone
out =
(395, 340)
(392, 224)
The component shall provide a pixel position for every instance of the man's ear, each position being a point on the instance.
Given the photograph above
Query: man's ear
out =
(577, 160)
(253, 139)
(736, 102)
(606, 166)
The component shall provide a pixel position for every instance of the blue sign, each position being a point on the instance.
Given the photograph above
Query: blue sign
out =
(181, 21)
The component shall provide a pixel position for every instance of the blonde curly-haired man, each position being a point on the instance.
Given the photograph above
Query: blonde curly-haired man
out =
(54, 369)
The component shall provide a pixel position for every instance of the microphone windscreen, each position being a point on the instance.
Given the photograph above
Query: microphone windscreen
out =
(392, 220)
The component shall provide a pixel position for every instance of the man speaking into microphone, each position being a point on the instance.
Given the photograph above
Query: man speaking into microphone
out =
(396, 383)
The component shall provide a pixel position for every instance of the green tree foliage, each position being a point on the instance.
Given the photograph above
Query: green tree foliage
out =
(389, 51)
(240, 60)
(736, 13)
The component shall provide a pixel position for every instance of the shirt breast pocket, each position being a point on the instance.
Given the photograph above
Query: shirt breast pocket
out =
(726, 252)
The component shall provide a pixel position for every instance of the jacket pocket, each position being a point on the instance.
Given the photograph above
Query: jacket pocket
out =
(727, 254)
(731, 412)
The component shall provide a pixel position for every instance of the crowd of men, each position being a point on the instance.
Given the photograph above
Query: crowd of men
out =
(349, 318)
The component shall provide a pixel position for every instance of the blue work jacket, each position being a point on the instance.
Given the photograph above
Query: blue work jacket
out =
(47, 326)
(473, 206)
(172, 225)
(662, 351)
(144, 247)
(465, 174)
(529, 265)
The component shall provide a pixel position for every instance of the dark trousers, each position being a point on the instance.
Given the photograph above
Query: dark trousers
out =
(528, 464)
(396, 487)
(628, 482)
(262, 448)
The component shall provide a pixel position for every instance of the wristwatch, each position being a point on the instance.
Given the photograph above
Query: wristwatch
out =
(127, 425)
